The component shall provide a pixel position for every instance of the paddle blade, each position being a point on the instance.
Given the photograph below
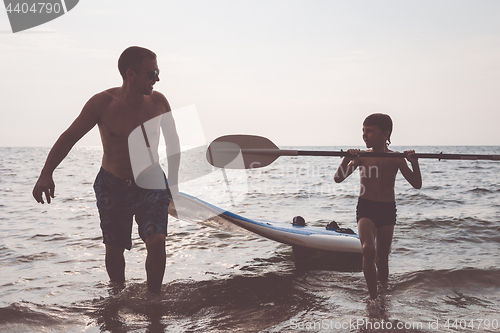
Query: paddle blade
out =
(224, 151)
(225, 155)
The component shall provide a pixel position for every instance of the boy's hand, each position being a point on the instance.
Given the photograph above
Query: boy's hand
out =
(353, 154)
(348, 165)
(409, 156)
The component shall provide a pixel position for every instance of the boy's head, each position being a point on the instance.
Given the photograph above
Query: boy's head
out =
(382, 121)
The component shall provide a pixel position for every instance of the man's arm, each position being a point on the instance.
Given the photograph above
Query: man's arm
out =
(81, 125)
(173, 148)
(413, 177)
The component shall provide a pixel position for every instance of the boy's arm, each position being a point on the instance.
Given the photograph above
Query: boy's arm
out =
(83, 123)
(413, 177)
(347, 167)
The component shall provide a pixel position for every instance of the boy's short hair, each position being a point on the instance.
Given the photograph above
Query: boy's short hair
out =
(132, 58)
(382, 121)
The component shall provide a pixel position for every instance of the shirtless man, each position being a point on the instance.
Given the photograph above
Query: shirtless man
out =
(117, 112)
(376, 210)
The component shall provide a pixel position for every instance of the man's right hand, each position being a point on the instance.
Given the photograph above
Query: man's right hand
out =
(45, 184)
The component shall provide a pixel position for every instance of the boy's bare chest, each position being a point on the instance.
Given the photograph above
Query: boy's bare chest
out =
(377, 177)
(378, 168)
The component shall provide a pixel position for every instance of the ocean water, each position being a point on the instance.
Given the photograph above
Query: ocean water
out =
(444, 264)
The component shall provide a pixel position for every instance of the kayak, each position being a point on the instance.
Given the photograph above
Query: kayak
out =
(303, 237)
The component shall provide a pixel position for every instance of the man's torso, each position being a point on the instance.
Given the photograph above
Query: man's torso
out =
(116, 121)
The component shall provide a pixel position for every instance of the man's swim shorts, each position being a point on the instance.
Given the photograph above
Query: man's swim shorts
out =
(118, 200)
(381, 213)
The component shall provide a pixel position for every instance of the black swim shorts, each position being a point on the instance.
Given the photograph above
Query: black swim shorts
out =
(118, 200)
(381, 213)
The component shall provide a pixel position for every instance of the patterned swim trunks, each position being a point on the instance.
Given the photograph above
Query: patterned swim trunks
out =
(118, 200)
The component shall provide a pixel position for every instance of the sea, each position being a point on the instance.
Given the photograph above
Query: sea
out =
(444, 261)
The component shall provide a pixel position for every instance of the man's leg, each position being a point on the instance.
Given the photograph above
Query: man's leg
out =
(115, 263)
(367, 233)
(384, 240)
(155, 262)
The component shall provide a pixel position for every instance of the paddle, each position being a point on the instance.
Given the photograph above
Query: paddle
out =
(258, 152)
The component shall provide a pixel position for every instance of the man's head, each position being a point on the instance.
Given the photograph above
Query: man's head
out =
(132, 58)
(382, 122)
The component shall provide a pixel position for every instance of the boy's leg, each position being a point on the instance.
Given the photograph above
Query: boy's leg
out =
(155, 262)
(115, 263)
(384, 240)
(367, 233)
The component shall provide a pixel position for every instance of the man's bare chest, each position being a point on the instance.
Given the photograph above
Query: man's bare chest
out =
(118, 121)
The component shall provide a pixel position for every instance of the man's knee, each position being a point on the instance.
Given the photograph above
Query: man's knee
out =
(156, 243)
(114, 251)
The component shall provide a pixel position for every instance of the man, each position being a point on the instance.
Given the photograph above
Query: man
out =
(117, 112)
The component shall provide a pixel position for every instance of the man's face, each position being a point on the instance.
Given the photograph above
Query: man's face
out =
(145, 79)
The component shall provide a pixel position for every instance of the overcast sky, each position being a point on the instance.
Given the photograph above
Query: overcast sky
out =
(297, 72)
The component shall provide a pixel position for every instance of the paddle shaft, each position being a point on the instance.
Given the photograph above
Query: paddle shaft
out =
(242, 151)
(440, 156)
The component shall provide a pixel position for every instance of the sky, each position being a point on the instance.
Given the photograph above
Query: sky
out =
(301, 73)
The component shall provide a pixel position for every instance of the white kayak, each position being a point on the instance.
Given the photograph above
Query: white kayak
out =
(310, 237)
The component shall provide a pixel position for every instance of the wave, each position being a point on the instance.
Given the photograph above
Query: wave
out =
(421, 198)
(255, 302)
(247, 302)
(31, 314)
(9, 259)
(465, 279)
(49, 238)
(468, 224)
(482, 190)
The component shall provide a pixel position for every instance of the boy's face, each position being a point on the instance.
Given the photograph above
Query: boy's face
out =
(374, 136)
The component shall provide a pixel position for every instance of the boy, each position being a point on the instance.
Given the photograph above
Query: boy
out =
(376, 209)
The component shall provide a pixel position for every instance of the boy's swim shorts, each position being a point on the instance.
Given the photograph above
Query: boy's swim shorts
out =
(381, 213)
